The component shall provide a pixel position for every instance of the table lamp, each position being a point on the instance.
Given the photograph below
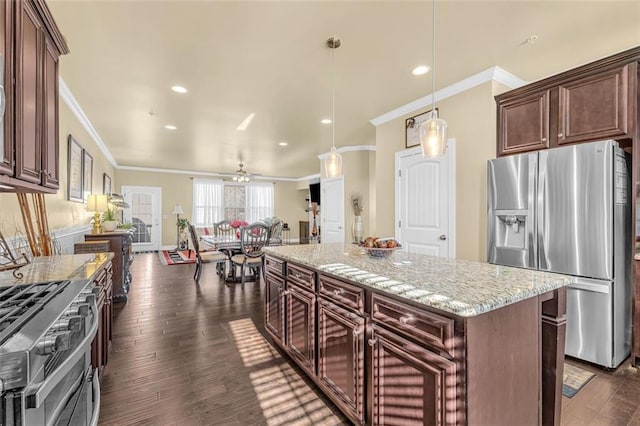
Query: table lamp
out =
(177, 210)
(97, 203)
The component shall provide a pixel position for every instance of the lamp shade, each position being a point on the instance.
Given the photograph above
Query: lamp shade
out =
(97, 203)
(333, 164)
(433, 136)
(177, 209)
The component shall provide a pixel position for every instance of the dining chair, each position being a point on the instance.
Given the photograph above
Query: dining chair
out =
(275, 233)
(253, 238)
(203, 256)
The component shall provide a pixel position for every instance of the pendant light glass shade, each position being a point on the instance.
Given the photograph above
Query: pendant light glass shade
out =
(433, 136)
(333, 164)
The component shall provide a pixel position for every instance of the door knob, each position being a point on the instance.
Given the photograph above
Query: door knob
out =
(443, 237)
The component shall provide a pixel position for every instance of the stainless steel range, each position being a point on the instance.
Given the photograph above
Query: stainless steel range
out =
(46, 330)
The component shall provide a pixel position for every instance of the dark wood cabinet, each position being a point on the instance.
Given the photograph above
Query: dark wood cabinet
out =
(101, 344)
(594, 107)
(274, 307)
(523, 123)
(411, 385)
(31, 46)
(341, 357)
(120, 245)
(300, 326)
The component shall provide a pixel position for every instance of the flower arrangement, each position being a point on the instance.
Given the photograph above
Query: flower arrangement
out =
(238, 224)
(356, 203)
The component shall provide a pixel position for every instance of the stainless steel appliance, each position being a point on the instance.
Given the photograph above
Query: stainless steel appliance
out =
(567, 210)
(46, 330)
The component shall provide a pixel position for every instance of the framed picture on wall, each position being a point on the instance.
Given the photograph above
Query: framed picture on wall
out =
(412, 128)
(74, 171)
(106, 184)
(87, 173)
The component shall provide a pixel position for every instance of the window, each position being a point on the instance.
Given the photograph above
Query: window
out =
(214, 201)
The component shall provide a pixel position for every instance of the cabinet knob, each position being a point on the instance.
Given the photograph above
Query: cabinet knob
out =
(559, 135)
(544, 139)
(372, 342)
(355, 332)
(404, 320)
(338, 291)
(443, 237)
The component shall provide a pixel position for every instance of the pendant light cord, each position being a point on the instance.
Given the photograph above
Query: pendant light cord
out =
(333, 100)
(433, 58)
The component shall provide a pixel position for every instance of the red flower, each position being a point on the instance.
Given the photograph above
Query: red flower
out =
(238, 223)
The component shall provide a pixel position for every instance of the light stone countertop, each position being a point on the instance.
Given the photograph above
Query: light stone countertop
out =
(460, 287)
(54, 268)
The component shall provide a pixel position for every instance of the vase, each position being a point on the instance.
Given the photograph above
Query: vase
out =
(357, 230)
(109, 225)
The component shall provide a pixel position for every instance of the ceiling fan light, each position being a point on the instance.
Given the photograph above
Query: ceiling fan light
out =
(333, 164)
(433, 136)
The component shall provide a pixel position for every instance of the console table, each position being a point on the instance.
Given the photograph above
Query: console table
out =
(120, 243)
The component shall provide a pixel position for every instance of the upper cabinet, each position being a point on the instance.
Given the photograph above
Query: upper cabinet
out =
(592, 102)
(31, 47)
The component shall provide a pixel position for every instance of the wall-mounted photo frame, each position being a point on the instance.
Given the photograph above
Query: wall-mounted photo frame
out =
(87, 173)
(74, 171)
(106, 184)
(412, 128)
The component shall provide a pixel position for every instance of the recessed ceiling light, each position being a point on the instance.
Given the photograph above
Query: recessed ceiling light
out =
(326, 121)
(283, 143)
(178, 89)
(170, 127)
(420, 70)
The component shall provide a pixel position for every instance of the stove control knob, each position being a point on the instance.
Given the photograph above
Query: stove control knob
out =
(71, 323)
(89, 298)
(78, 310)
(49, 345)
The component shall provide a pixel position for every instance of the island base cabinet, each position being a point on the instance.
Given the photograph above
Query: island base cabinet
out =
(301, 327)
(411, 385)
(274, 308)
(341, 358)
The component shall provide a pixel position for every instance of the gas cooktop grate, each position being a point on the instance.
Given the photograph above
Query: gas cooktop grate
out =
(18, 304)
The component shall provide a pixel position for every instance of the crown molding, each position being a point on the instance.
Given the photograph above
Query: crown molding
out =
(490, 74)
(74, 106)
(212, 174)
(348, 148)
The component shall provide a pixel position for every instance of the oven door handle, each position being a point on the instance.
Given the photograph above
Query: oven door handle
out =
(96, 399)
(36, 397)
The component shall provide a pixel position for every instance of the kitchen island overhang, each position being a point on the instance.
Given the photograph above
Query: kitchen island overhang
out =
(484, 343)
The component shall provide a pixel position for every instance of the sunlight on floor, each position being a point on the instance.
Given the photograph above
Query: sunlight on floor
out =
(285, 398)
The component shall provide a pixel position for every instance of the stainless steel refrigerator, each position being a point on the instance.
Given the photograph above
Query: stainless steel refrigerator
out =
(567, 210)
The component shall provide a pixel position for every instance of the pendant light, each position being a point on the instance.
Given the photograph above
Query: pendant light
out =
(433, 132)
(333, 162)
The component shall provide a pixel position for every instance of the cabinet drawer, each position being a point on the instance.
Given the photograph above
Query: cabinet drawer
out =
(341, 292)
(432, 329)
(301, 276)
(275, 266)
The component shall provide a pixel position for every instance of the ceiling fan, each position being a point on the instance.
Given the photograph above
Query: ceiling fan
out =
(241, 175)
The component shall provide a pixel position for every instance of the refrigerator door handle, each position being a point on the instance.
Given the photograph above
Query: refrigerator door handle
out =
(531, 203)
(543, 262)
(595, 287)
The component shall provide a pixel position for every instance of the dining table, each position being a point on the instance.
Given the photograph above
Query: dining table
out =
(227, 244)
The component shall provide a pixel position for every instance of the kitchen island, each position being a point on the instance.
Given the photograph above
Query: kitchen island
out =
(414, 339)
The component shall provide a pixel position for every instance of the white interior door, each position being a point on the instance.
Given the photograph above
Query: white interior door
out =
(332, 210)
(425, 202)
(145, 215)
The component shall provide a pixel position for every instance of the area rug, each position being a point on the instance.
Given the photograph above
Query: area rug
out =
(180, 257)
(573, 379)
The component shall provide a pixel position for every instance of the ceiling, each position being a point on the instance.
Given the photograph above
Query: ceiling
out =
(269, 58)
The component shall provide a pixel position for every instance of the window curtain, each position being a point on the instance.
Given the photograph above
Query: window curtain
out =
(259, 201)
(208, 202)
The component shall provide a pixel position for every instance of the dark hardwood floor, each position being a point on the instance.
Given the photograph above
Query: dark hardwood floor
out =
(188, 354)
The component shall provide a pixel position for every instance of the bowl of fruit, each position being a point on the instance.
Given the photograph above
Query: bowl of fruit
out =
(380, 247)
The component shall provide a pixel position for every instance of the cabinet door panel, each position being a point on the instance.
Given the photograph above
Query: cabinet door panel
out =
(301, 326)
(594, 107)
(411, 385)
(6, 124)
(341, 357)
(50, 163)
(274, 308)
(523, 124)
(28, 95)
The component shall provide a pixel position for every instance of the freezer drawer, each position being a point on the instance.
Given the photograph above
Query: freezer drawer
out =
(590, 321)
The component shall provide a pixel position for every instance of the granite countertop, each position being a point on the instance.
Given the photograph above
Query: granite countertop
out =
(53, 268)
(460, 287)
